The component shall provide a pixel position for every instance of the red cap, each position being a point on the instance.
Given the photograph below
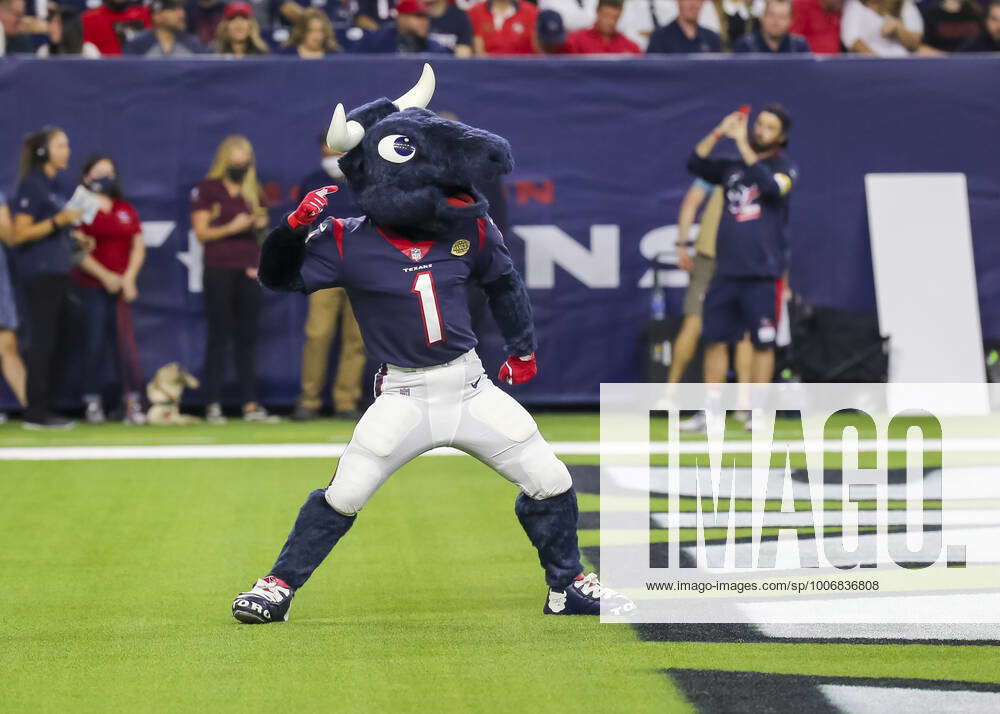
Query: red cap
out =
(411, 7)
(238, 8)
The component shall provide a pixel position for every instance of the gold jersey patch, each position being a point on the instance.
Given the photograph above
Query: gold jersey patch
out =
(460, 247)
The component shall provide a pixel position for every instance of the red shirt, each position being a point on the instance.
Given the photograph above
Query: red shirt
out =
(109, 30)
(820, 27)
(113, 233)
(238, 251)
(515, 35)
(592, 42)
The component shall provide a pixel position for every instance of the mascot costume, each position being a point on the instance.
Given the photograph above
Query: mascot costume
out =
(406, 265)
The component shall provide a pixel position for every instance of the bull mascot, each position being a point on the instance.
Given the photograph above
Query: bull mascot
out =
(406, 264)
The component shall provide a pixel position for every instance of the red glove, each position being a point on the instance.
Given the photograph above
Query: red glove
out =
(312, 205)
(518, 370)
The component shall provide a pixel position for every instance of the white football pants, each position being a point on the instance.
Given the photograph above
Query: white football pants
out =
(452, 404)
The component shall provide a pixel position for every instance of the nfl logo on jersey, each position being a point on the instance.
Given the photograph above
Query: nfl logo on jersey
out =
(415, 254)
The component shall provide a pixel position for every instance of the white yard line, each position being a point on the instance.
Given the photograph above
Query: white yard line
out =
(331, 450)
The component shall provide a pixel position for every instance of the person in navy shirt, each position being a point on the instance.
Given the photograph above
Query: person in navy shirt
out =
(12, 367)
(751, 245)
(409, 34)
(43, 256)
(772, 36)
(684, 35)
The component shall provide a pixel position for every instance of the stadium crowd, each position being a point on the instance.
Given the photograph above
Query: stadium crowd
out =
(313, 29)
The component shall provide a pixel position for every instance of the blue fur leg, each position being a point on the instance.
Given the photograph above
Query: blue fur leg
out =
(551, 527)
(316, 531)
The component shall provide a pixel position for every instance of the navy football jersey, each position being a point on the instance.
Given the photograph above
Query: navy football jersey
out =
(409, 297)
(751, 240)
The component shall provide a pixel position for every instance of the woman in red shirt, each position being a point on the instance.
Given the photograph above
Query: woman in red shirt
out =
(505, 27)
(227, 208)
(106, 285)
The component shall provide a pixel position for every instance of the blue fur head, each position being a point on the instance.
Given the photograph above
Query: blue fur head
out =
(417, 173)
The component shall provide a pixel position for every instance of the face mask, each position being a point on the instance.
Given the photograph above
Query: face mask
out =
(331, 164)
(236, 174)
(104, 185)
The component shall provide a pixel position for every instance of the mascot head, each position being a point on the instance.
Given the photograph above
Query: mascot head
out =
(412, 170)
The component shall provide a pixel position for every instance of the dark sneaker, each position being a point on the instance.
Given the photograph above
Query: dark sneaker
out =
(50, 421)
(268, 601)
(302, 413)
(583, 597)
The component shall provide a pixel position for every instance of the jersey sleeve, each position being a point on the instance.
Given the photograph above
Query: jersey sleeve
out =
(711, 170)
(324, 246)
(27, 200)
(493, 260)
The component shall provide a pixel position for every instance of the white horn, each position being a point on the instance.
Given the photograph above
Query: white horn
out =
(343, 135)
(420, 95)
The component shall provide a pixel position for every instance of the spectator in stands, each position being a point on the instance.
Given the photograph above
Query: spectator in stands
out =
(43, 255)
(640, 20)
(575, 14)
(505, 27)
(238, 34)
(818, 21)
(66, 34)
(167, 38)
(603, 37)
(312, 37)
(949, 24)
(989, 41)
(882, 28)
(202, 18)
(684, 35)
(551, 33)
(751, 245)
(450, 27)
(11, 366)
(227, 208)
(114, 23)
(408, 35)
(373, 14)
(14, 40)
(701, 268)
(772, 37)
(737, 19)
(106, 286)
(327, 308)
(341, 13)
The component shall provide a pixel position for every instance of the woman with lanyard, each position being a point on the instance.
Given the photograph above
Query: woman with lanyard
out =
(106, 286)
(42, 258)
(227, 208)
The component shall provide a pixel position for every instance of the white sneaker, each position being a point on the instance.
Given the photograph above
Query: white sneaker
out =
(213, 414)
(95, 412)
(693, 423)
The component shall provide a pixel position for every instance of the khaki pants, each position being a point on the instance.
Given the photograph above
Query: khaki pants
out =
(321, 325)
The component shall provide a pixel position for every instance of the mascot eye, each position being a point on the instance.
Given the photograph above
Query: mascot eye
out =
(396, 148)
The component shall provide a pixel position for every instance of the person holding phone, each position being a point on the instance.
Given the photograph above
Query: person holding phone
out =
(751, 252)
(227, 209)
(42, 251)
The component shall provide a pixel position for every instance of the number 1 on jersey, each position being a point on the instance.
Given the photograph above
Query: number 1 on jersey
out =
(423, 286)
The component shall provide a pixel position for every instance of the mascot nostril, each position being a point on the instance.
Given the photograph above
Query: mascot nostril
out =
(408, 266)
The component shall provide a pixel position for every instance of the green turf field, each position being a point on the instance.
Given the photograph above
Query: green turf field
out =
(119, 576)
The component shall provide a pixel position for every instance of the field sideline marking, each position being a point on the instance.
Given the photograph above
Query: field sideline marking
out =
(324, 451)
